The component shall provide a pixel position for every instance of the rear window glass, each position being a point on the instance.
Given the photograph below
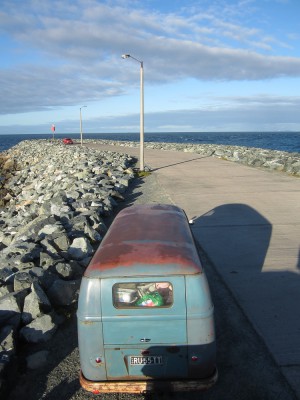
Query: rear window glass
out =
(142, 294)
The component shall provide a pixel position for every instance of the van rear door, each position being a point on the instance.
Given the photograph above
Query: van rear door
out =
(144, 327)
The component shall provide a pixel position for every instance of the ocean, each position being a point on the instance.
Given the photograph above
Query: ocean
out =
(283, 141)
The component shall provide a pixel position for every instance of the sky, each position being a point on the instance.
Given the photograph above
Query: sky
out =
(209, 65)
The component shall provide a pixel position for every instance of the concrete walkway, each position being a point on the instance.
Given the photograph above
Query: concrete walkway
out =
(247, 221)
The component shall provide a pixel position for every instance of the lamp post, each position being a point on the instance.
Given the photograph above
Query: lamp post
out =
(141, 110)
(81, 124)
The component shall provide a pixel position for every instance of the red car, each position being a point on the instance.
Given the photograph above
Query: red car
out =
(67, 141)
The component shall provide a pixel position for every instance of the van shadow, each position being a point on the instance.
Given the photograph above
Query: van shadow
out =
(235, 238)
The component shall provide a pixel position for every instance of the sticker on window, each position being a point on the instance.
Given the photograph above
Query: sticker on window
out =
(143, 294)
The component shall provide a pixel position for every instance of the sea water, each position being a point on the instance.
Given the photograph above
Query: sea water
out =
(283, 141)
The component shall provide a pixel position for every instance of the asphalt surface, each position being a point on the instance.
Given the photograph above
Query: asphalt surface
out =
(247, 220)
(247, 367)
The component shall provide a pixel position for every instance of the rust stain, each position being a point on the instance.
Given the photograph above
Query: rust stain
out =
(135, 385)
(147, 235)
(87, 322)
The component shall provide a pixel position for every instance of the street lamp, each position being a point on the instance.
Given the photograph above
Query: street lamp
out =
(81, 124)
(141, 111)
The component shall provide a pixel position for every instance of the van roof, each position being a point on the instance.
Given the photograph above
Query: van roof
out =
(146, 240)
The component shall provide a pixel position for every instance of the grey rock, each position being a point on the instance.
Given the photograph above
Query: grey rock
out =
(124, 181)
(63, 293)
(45, 209)
(7, 340)
(5, 239)
(118, 189)
(73, 195)
(80, 248)
(36, 272)
(66, 219)
(92, 234)
(61, 241)
(98, 224)
(48, 260)
(49, 230)
(26, 251)
(47, 279)
(57, 209)
(244, 155)
(5, 289)
(9, 308)
(39, 330)
(7, 274)
(56, 201)
(32, 228)
(26, 266)
(37, 360)
(109, 201)
(35, 304)
(85, 262)
(49, 248)
(10, 262)
(22, 280)
(65, 271)
(79, 222)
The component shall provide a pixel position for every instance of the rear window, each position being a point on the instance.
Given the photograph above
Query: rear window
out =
(142, 294)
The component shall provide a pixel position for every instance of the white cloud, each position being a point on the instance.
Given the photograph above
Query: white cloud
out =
(236, 113)
(77, 47)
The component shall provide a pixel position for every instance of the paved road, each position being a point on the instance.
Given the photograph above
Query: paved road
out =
(247, 221)
(247, 227)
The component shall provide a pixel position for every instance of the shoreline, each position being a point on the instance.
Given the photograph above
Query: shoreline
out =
(282, 141)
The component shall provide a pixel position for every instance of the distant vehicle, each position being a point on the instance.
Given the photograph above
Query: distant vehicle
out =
(67, 141)
(145, 315)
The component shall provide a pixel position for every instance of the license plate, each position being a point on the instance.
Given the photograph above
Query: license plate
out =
(146, 360)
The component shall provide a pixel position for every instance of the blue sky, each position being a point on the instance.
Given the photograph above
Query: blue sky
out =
(209, 65)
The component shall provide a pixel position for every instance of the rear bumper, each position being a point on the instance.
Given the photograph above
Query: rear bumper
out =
(97, 387)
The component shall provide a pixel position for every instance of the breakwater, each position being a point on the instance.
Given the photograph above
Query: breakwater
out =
(54, 199)
(54, 202)
(273, 160)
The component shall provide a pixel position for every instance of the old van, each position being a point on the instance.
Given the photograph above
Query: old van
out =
(145, 314)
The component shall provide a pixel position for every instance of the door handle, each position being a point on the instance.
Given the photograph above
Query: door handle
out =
(145, 340)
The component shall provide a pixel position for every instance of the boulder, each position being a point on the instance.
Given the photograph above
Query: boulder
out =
(7, 274)
(68, 270)
(7, 340)
(63, 293)
(61, 241)
(39, 330)
(35, 304)
(25, 251)
(32, 228)
(22, 280)
(49, 230)
(48, 260)
(9, 308)
(92, 234)
(37, 360)
(80, 248)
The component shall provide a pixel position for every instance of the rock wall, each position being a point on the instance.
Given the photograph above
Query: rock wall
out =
(53, 199)
(260, 158)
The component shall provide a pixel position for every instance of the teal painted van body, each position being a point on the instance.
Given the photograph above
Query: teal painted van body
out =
(145, 310)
